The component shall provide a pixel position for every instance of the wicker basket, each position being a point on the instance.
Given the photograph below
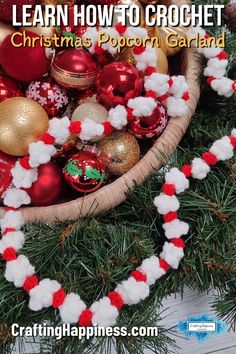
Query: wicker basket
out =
(113, 194)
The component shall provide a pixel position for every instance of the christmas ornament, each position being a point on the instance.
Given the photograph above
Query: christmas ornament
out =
(22, 121)
(161, 59)
(105, 311)
(49, 95)
(5, 30)
(117, 83)
(119, 151)
(58, 2)
(164, 35)
(90, 110)
(85, 172)
(48, 187)
(66, 150)
(150, 126)
(45, 31)
(7, 162)
(117, 18)
(75, 68)
(24, 63)
(88, 95)
(6, 8)
(8, 89)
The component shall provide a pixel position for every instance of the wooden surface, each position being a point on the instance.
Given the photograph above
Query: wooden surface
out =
(192, 304)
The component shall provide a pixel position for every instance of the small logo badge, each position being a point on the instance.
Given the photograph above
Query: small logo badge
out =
(202, 326)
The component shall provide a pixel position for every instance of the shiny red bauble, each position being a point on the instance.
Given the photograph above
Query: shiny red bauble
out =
(52, 97)
(75, 68)
(25, 63)
(6, 8)
(7, 162)
(117, 83)
(85, 172)
(150, 126)
(48, 188)
(8, 88)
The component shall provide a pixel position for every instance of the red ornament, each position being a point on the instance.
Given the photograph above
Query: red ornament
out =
(7, 162)
(8, 89)
(151, 126)
(75, 68)
(117, 83)
(85, 172)
(52, 97)
(48, 188)
(6, 8)
(27, 63)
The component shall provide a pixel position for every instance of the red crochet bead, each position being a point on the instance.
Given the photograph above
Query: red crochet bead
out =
(222, 56)
(209, 158)
(116, 299)
(163, 98)
(98, 50)
(139, 276)
(187, 170)
(210, 79)
(24, 162)
(234, 86)
(75, 127)
(58, 298)
(30, 283)
(178, 242)
(168, 189)
(10, 208)
(150, 70)
(172, 215)
(233, 141)
(130, 114)
(138, 50)
(151, 94)
(9, 254)
(120, 29)
(171, 81)
(7, 230)
(107, 128)
(47, 139)
(186, 96)
(85, 319)
(164, 265)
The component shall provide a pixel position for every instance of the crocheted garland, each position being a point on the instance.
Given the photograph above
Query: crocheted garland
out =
(216, 66)
(105, 311)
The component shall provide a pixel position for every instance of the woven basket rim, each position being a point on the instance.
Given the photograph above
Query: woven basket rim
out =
(115, 193)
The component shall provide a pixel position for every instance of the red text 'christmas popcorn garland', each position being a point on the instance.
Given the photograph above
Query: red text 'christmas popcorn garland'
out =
(105, 311)
(216, 66)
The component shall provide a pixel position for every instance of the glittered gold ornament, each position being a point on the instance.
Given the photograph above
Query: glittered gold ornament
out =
(161, 65)
(46, 32)
(5, 30)
(165, 36)
(22, 121)
(94, 111)
(118, 12)
(119, 151)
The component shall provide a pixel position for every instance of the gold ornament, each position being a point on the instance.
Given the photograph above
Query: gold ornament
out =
(44, 31)
(94, 111)
(119, 151)
(22, 122)
(118, 14)
(161, 65)
(164, 33)
(58, 2)
(5, 30)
